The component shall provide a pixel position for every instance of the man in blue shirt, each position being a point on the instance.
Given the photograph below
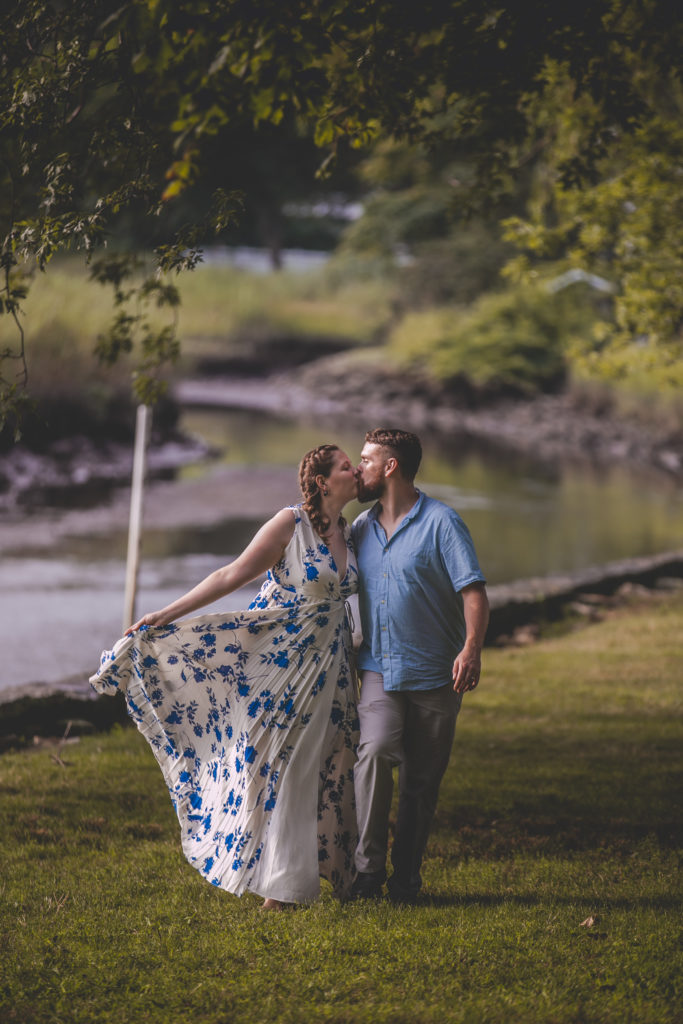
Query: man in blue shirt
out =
(424, 613)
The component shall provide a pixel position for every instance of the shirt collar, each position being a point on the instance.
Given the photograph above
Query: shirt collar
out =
(374, 511)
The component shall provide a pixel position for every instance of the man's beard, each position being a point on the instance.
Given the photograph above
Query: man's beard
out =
(370, 492)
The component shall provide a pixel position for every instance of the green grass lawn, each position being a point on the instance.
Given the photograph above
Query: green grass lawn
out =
(562, 803)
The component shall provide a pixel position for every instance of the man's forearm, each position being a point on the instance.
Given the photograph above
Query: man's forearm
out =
(476, 612)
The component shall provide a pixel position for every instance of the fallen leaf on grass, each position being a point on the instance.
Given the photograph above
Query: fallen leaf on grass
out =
(588, 923)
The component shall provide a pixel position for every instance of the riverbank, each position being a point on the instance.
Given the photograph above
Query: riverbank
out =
(301, 345)
(360, 387)
(522, 613)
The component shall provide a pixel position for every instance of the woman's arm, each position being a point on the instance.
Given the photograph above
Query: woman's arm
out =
(264, 551)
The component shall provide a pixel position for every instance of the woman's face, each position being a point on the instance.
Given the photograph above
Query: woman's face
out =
(342, 482)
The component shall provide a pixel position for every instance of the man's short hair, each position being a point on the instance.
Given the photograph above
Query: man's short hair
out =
(404, 446)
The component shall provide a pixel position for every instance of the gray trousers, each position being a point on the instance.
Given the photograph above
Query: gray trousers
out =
(413, 729)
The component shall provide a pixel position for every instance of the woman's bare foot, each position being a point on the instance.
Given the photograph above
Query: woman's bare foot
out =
(269, 904)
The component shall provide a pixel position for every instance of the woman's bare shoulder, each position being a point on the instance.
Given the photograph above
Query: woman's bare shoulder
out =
(283, 523)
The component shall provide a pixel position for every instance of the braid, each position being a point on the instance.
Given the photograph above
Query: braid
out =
(317, 462)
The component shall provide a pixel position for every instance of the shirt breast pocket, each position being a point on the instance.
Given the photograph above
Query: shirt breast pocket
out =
(419, 568)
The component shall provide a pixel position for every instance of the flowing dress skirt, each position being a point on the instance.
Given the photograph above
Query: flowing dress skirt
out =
(252, 719)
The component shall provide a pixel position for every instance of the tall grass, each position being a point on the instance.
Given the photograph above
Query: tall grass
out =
(551, 879)
(222, 310)
(61, 317)
(224, 301)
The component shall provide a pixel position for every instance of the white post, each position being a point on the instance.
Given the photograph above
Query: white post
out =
(142, 425)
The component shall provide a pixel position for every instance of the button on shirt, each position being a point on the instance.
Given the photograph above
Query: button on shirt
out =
(410, 606)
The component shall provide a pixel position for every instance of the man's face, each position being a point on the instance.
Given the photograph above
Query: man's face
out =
(371, 479)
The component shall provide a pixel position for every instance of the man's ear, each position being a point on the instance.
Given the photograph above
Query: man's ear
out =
(390, 466)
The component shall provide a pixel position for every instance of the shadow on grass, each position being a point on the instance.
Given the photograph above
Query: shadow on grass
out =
(550, 794)
(502, 838)
(605, 904)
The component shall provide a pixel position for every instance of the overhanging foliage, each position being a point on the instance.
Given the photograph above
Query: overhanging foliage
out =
(107, 106)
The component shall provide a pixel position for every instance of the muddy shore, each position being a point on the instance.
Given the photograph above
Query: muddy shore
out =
(564, 426)
(548, 428)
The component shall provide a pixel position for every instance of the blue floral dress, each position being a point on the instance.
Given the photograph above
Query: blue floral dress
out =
(253, 721)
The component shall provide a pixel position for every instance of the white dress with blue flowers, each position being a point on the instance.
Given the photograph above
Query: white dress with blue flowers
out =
(253, 721)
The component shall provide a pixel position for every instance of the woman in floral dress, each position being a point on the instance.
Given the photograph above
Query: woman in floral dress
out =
(252, 715)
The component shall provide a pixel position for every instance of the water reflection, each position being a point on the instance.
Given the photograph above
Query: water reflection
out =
(246, 438)
(527, 518)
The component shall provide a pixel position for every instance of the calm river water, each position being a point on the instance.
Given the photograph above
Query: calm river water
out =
(61, 602)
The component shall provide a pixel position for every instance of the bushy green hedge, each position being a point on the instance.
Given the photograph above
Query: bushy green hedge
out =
(513, 340)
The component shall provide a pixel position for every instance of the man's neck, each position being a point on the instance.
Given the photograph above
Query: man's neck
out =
(395, 504)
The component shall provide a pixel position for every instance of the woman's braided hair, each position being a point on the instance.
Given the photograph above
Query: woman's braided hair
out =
(317, 462)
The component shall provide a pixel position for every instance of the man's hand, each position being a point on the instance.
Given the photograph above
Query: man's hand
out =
(467, 665)
(466, 670)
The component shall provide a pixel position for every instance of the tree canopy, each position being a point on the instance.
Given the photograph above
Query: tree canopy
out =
(108, 106)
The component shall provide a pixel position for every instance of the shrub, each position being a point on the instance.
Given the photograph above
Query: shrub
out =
(512, 341)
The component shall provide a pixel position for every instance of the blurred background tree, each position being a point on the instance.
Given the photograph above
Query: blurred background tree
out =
(418, 207)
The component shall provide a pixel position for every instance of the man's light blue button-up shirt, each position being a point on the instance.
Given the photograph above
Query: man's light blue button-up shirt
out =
(410, 606)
